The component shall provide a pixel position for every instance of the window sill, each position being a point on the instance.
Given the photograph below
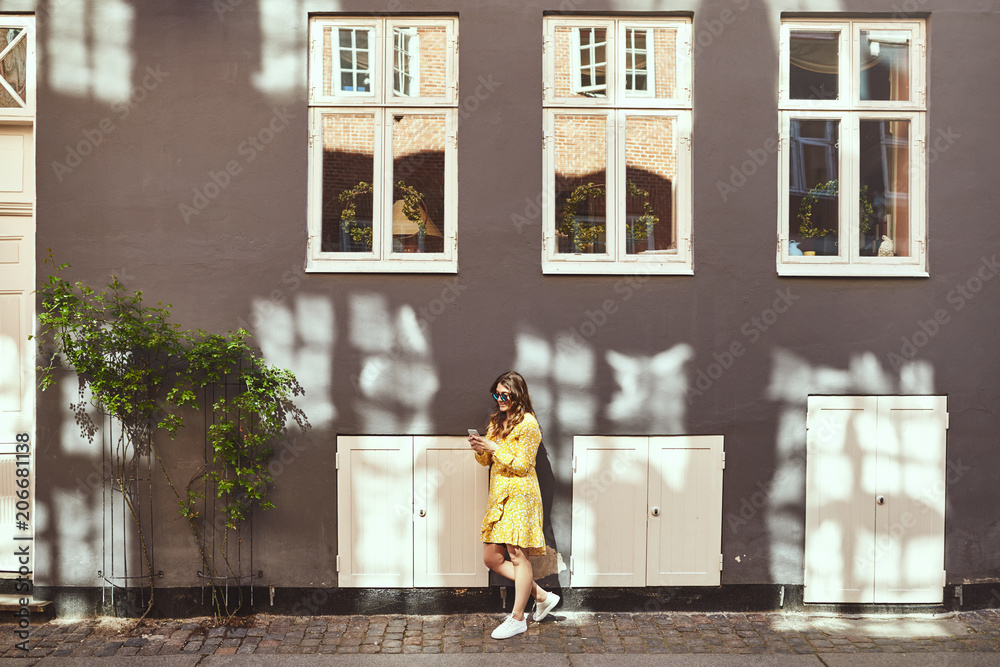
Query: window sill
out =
(617, 268)
(852, 270)
(315, 265)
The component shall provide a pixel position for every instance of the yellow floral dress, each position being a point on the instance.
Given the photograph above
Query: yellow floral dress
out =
(514, 506)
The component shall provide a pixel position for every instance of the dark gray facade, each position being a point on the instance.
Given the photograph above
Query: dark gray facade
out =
(207, 77)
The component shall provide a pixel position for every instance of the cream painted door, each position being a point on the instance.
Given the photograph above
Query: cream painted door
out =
(609, 511)
(875, 476)
(840, 492)
(684, 511)
(911, 479)
(647, 511)
(17, 313)
(449, 501)
(375, 511)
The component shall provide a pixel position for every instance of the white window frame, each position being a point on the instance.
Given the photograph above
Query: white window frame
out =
(27, 25)
(617, 105)
(383, 104)
(412, 58)
(578, 65)
(650, 70)
(850, 110)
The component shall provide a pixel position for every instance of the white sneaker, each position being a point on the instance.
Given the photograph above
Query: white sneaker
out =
(510, 627)
(542, 609)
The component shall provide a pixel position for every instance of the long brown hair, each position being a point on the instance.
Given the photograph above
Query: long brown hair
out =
(520, 404)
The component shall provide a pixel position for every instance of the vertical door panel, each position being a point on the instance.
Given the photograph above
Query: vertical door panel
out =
(17, 313)
(375, 511)
(449, 500)
(909, 548)
(684, 513)
(840, 485)
(609, 511)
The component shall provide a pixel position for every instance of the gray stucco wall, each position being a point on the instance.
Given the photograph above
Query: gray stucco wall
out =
(210, 76)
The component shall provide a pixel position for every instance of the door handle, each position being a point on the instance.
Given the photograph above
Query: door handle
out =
(880, 500)
(423, 512)
(655, 511)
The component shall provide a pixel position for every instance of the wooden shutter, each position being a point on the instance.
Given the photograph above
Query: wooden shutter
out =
(909, 525)
(861, 449)
(684, 511)
(609, 511)
(840, 516)
(375, 511)
(17, 313)
(449, 501)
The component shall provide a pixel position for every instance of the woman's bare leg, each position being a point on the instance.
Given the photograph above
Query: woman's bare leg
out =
(493, 557)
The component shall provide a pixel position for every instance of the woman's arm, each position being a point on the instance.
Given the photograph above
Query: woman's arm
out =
(484, 458)
(517, 452)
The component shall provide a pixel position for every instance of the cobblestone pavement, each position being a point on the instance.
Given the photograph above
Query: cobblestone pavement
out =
(566, 633)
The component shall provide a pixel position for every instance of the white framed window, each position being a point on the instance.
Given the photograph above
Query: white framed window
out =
(852, 99)
(17, 70)
(617, 146)
(383, 145)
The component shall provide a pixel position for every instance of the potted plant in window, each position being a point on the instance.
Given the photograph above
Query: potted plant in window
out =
(582, 235)
(415, 212)
(807, 229)
(360, 235)
(810, 233)
(641, 228)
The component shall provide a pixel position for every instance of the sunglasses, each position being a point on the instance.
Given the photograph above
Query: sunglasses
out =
(501, 397)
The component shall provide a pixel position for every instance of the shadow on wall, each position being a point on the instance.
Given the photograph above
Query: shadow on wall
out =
(649, 397)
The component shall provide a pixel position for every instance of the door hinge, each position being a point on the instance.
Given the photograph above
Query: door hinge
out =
(944, 578)
(338, 563)
(574, 463)
(336, 463)
(572, 565)
(720, 562)
(947, 420)
(723, 460)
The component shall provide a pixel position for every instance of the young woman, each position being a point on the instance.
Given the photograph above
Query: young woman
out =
(513, 520)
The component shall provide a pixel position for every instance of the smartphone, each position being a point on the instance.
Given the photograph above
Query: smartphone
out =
(474, 432)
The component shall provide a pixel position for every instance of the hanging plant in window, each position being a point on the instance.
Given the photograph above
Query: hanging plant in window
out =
(581, 234)
(642, 227)
(349, 215)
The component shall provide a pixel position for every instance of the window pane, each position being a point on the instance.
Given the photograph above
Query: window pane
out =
(650, 173)
(418, 203)
(814, 65)
(13, 68)
(581, 159)
(350, 57)
(885, 65)
(348, 175)
(657, 67)
(813, 212)
(885, 188)
(580, 62)
(420, 67)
